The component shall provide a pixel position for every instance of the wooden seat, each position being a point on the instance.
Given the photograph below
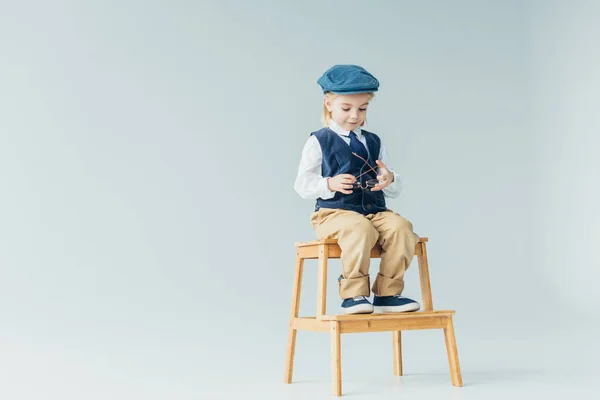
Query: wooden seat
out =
(427, 318)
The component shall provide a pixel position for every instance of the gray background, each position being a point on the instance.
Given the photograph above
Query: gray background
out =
(148, 151)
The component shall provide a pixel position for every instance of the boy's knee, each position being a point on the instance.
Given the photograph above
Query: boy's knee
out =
(363, 230)
(401, 224)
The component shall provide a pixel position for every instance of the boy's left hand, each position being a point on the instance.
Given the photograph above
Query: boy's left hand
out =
(385, 177)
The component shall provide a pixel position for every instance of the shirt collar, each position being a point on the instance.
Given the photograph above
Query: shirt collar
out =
(340, 131)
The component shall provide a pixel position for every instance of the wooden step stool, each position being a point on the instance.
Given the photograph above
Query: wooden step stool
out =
(338, 324)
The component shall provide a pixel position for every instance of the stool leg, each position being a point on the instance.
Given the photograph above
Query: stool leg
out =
(336, 364)
(291, 343)
(424, 278)
(452, 354)
(397, 344)
(322, 281)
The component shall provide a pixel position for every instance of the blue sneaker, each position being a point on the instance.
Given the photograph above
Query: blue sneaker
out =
(391, 304)
(357, 305)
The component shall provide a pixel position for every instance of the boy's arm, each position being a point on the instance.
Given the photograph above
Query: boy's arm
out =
(309, 182)
(395, 188)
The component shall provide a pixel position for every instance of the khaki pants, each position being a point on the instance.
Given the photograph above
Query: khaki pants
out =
(356, 235)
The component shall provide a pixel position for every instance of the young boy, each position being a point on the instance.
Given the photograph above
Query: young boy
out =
(345, 169)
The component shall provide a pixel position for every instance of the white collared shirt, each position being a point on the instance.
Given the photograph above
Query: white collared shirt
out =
(310, 184)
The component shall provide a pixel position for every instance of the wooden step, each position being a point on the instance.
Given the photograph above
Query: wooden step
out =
(404, 315)
(335, 241)
(376, 322)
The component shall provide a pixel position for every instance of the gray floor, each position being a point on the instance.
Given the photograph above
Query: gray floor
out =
(519, 364)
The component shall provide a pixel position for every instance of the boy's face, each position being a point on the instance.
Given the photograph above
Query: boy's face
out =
(349, 110)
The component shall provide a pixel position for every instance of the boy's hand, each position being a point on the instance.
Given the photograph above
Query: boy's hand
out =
(385, 177)
(341, 183)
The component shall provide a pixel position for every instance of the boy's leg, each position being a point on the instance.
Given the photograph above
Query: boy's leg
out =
(356, 237)
(398, 242)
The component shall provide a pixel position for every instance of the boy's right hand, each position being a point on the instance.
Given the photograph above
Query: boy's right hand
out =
(341, 183)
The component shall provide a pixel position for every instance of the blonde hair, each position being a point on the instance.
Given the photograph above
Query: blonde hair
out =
(327, 114)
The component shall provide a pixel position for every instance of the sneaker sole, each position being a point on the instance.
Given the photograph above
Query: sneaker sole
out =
(394, 309)
(359, 309)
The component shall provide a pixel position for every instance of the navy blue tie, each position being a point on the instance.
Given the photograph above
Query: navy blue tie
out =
(357, 146)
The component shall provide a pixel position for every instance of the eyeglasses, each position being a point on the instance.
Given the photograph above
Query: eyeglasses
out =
(368, 185)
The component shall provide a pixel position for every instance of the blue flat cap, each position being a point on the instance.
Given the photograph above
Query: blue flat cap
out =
(348, 79)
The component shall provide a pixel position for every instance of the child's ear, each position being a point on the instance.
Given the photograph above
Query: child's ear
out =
(327, 104)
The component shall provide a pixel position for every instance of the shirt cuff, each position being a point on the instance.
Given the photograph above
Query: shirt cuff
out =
(393, 188)
(324, 191)
(393, 185)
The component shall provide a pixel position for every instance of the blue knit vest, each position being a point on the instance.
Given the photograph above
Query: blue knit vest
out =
(338, 159)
